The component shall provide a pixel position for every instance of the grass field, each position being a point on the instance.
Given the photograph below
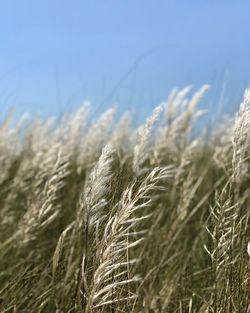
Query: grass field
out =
(97, 216)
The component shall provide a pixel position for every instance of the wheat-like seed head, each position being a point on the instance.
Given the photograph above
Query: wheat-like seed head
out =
(95, 138)
(43, 210)
(111, 271)
(141, 148)
(241, 139)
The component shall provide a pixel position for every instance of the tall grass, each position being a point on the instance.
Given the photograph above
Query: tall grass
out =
(96, 216)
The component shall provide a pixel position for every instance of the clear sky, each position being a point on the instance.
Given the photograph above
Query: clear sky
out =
(56, 53)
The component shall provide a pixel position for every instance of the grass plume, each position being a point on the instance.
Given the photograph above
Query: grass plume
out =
(100, 216)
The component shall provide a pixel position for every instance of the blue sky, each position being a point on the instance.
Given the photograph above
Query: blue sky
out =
(56, 53)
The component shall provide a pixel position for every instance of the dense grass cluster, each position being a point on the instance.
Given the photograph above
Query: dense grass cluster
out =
(96, 216)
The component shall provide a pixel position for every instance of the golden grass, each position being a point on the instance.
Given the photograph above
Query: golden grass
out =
(96, 216)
